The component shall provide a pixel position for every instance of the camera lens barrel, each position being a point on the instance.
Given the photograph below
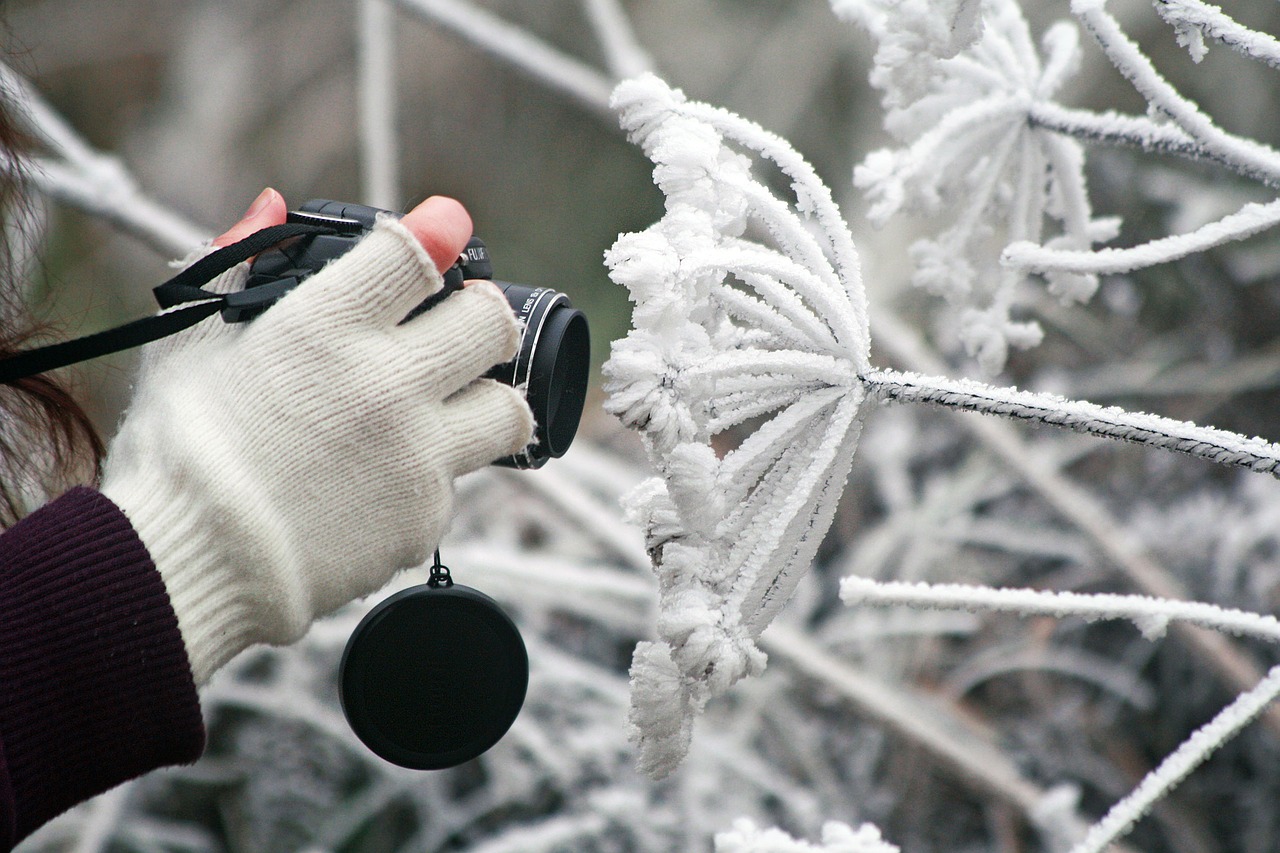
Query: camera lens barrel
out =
(551, 368)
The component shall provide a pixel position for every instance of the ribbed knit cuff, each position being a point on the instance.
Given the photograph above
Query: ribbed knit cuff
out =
(95, 686)
(208, 596)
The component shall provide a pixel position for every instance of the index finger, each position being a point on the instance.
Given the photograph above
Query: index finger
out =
(443, 227)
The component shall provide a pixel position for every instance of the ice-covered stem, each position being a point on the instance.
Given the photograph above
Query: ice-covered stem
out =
(96, 183)
(1083, 511)
(1214, 445)
(1251, 219)
(379, 157)
(1151, 615)
(1178, 764)
(1246, 155)
(1112, 128)
(108, 192)
(519, 49)
(1194, 19)
(746, 837)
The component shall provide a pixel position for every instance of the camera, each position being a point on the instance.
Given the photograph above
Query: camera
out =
(553, 358)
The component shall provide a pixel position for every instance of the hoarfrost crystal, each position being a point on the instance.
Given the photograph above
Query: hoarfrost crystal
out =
(960, 99)
(728, 328)
(746, 837)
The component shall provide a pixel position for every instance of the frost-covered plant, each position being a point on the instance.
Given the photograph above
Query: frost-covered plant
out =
(746, 837)
(988, 150)
(748, 307)
(960, 81)
(729, 328)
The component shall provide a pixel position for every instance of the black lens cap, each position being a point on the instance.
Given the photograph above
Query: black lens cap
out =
(433, 676)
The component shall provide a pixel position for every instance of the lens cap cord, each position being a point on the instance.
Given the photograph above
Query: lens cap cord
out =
(435, 675)
(440, 575)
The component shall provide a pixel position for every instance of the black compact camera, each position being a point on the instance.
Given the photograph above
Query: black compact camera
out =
(553, 359)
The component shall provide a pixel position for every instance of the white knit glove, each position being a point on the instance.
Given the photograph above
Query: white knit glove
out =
(278, 469)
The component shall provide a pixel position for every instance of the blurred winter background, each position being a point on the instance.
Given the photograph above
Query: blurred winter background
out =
(951, 732)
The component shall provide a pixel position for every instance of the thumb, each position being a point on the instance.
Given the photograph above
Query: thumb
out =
(268, 209)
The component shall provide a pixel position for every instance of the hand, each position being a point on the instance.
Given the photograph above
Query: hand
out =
(280, 468)
(441, 225)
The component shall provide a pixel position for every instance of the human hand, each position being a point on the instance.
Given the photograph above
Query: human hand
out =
(278, 469)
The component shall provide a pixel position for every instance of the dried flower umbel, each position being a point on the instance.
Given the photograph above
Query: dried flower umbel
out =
(728, 328)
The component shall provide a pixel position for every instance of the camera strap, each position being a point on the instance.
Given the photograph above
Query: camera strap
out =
(185, 302)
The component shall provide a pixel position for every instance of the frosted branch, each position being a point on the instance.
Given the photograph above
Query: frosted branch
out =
(622, 50)
(44, 122)
(1114, 128)
(1246, 155)
(379, 154)
(1214, 445)
(109, 193)
(1194, 19)
(96, 183)
(1190, 754)
(1083, 511)
(517, 48)
(1251, 219)
(1151, 615)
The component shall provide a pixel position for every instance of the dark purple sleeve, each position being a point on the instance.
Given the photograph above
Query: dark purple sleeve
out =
(95, 687)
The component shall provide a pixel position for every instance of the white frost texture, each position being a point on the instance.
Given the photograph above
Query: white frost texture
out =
(959, 99)
(728, 328)
(747, 375)
(731, 329)
(746, 837)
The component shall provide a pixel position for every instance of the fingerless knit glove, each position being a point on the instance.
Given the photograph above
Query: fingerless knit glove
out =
(278, 469)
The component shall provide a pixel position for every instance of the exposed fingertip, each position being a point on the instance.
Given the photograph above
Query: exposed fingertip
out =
(443, 227)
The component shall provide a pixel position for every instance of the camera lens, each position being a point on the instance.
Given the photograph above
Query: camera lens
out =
(551, 365)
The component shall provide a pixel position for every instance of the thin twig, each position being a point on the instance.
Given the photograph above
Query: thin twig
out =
(519, 49)
(1129, 60)
(1178, 764)
(113, 197)
(1251, 219)
(1150, 614)
(1083, 511)
(1214, 23)
(1112, 128)
(379, 154)
(97, 183)
(1214, 445)
(622, 50)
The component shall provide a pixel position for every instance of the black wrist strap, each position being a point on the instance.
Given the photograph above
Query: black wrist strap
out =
(183, 288)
